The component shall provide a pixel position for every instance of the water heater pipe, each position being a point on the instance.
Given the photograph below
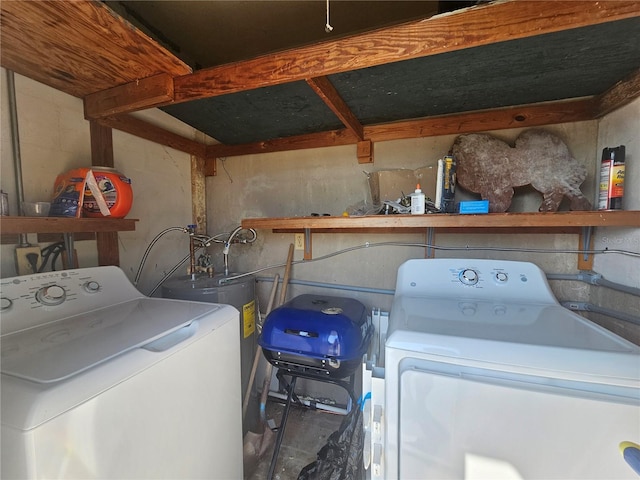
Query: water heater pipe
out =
(589, 307)
(586, 277)
(230, 240)
(150, 246)
(593, 278)
(191, 229)
(258, 355)
(15, 143)
(334, 286)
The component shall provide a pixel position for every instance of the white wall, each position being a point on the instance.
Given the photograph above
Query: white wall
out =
(620, 128)
(161, 179)
(54, 138)
(329, 180)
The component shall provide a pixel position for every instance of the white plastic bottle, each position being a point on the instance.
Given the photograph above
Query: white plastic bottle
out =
(417, 201)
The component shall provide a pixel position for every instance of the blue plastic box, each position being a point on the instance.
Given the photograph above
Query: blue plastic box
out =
(317, 334)
(479, 206)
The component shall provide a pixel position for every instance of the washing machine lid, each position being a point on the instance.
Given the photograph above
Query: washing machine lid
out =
(542, 339)
(60, 350)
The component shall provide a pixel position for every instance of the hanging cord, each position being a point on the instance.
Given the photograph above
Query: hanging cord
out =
(54, 249)
(171, 272)
(327, 27)
(148, 250)
(467, 248)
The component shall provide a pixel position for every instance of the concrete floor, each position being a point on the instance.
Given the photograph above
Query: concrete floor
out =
(305, 434)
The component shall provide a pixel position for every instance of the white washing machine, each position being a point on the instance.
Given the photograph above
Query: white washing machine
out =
(99, 381)
(487, 376)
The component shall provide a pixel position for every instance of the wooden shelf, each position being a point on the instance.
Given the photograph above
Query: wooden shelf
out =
(578, 222)
(17, 225)
(550, 222)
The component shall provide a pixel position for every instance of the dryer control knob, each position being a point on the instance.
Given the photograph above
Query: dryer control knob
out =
(51, 295)
(469, 277)
(91, 286)
(501, 277)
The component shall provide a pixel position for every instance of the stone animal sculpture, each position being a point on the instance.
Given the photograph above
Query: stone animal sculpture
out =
(490, 167)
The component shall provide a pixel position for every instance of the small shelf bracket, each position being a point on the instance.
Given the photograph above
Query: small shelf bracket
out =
(307, 244)
(585, 259)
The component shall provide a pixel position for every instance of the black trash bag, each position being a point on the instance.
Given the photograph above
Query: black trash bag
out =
(341, 457)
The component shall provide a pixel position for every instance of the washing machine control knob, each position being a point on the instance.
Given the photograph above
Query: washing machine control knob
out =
(5, 304)
(51, 295)
(91, 286)
(501, 277)
(468, 276)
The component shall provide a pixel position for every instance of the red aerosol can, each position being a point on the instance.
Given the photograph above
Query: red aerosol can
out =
(611, 179)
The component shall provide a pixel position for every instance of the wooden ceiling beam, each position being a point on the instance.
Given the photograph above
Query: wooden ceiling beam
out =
(331, 138)
(583, 109)
(136, 95)
(439, 34)
(79, 47)
(512, 117)
(329, 95)
(619, 95)
(497, 119)
(142, 129)
(467, 28)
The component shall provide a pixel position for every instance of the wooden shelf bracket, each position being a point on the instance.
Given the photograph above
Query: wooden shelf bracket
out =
(585, 244)
(308, 255)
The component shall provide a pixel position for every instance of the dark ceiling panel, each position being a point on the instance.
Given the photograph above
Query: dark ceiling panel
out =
(568, 64)
(256, 115)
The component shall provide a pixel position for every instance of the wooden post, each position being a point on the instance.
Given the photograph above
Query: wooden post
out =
(199, 171)
(198, 194)
(102, 156)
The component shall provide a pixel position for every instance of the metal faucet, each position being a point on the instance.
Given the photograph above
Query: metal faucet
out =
(230, 240)
(191, 230)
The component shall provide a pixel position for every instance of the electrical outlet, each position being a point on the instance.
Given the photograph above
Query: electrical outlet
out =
(299, 241)
(26, 257)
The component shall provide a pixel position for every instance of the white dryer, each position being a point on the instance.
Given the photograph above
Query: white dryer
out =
(99, 381)
(487, 376)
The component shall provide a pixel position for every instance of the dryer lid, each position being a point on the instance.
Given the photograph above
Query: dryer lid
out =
(547, 340)
(60, 350)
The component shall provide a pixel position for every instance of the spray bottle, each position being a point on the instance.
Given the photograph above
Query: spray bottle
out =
(417, 201)
(611, 189)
